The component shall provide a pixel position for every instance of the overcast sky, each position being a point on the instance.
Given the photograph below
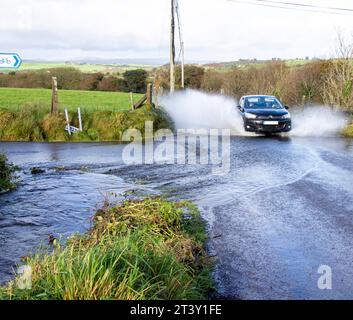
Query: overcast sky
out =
(214, 30)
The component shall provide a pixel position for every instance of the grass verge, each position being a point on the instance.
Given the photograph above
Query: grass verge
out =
(145, 249)
(7, 175)
(32, 122)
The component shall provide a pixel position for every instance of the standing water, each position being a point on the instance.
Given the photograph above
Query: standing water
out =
(284, 209)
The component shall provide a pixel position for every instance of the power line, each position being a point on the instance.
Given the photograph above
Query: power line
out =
(306, 5)
(267, 4)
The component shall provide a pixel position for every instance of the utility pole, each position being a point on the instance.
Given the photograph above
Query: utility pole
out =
(182, 48)
(172, 48)
(182, 66)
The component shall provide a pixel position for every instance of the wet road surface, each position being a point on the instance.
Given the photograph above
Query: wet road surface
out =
(285, 208)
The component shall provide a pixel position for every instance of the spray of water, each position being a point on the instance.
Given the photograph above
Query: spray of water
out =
(317, 121)
(191, 109)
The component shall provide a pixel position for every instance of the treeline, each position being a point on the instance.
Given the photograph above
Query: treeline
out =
(324, 81)
(327, 82)
(73, 79)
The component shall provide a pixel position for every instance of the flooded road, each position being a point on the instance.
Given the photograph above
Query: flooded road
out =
(285, 208)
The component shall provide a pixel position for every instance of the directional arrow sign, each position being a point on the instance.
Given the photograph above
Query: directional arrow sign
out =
(10, 61)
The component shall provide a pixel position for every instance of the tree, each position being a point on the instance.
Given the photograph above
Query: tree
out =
(194, 76)
(136, 80)
(338, 77)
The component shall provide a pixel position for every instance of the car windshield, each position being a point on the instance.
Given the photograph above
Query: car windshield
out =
(262, 103)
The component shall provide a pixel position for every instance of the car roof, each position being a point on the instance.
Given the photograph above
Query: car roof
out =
(259, 95)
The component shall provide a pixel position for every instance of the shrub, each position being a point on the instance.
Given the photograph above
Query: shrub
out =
(337, 89)
(7, 174)
(213, 81)
(193, 76)
(136, 80)
(112, 83)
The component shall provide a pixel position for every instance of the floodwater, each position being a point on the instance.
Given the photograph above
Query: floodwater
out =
(284, 209)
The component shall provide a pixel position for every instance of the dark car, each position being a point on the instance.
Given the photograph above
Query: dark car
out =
(264, 114)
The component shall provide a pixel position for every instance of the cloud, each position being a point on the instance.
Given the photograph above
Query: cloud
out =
(213, 29)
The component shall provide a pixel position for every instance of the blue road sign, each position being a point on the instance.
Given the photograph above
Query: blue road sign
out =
(10, 61)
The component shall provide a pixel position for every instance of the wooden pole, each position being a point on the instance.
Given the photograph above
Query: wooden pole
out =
(182, 66)
(132, 101)
(172, 48)
(54, 98)
(155, 96)
(149, 94)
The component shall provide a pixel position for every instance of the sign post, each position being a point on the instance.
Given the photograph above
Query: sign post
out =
(10, 61)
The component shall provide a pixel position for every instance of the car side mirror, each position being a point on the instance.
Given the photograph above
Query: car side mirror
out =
(286, 107)
(240, 108)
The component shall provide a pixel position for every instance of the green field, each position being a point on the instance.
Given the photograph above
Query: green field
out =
(14, 98)
(226, 66)
(84, 67)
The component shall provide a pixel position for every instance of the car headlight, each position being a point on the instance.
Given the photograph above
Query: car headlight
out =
(250, 115)
(286, 116)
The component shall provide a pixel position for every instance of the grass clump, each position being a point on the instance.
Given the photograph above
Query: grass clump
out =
(7, 175)
(348, 131)
(145, 249)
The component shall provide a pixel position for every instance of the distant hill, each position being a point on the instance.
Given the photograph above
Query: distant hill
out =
(255, 62)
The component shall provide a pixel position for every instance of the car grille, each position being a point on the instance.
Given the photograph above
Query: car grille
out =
(269, 118)
(273, 128)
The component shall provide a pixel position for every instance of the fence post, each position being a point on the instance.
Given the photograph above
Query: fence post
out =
(149, 94)
(132, 101)
(67, 121)
(54, 97)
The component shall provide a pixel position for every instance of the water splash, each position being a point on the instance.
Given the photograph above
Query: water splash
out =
(317, 121)
(191, 109)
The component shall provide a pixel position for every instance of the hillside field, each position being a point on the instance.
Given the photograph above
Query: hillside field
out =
(83, 67)
(14, 98)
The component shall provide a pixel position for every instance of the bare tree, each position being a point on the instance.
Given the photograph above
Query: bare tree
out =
(337, 87)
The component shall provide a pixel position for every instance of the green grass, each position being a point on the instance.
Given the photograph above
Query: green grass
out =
(146, 249)
(25, 115)
(14, 98)
(33, 122)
